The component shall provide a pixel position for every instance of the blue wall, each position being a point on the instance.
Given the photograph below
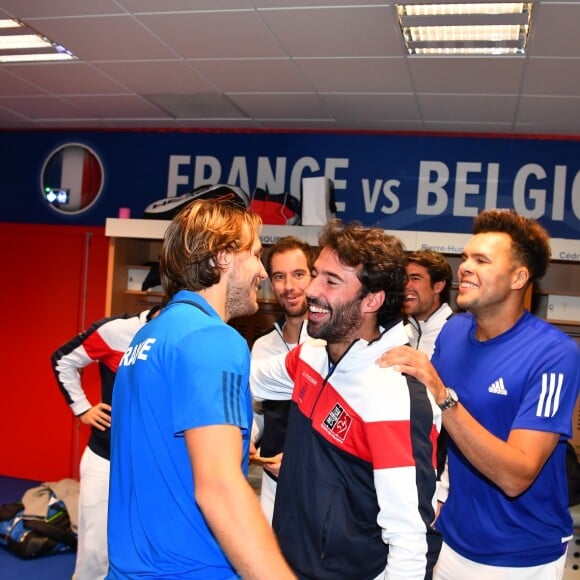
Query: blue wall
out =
(427, 183)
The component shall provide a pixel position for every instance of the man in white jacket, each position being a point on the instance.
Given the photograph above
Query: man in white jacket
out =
(426, 307)
(289, 264)
(427, 297)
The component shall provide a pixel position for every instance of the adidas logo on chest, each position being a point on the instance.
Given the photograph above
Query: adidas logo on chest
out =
(497, 387)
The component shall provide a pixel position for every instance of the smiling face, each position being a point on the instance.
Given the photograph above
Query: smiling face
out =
(246, 275)
(289, 277)
(334, 300)
(488, 273)
(421, 297)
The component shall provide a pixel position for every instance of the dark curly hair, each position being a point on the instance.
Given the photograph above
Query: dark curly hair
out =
(381, 257)
(438, 268)
(194, 238)
(530, 241)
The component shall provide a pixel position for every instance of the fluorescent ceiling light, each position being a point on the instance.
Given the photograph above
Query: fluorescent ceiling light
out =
(37, 57)
(479, 28)
(8, 23)
(19, 43)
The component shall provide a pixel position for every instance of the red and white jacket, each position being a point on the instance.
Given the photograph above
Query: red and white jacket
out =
(356, 492)
(104, 342)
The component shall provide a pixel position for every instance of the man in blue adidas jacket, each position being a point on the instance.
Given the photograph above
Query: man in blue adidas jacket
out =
(355, 497)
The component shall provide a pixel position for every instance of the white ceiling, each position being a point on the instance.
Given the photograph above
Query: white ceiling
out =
(282, 64)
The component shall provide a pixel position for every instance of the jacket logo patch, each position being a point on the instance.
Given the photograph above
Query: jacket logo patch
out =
(338, 422)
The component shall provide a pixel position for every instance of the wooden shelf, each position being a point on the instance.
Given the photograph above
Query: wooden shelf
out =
(136, 228)
(144, 293)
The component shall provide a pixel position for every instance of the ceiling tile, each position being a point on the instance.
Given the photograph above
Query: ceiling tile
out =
(467, 75)
(197, 106)
(221, 124)
(12, 84)
(10, 120)
(551, 114)
(43, 107)
(286, 107)
(353, 107)
(75, 124)
(467, 127)
(288, 64)
(116, 106)
(214, 34)
(387, 126)
(253, 75)
(302, 124)
(118, 37)
(62, 78)
(555, 30)
(313, 3)
(156, 76)
(32, 9)
(468, 108)
(148, 6)
(360, 75)
(339, 32)
(552, 76)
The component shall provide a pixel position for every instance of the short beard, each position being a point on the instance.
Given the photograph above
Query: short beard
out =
(238, 302)
(298, 312)
(344, 320)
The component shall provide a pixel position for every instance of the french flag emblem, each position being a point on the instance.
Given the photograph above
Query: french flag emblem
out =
(76, 169)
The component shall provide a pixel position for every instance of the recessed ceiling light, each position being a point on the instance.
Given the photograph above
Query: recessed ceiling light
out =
(19, 43)
(479, 28)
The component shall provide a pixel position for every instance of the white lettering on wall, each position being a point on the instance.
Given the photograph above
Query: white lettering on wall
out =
(371, 197)
(174, 177)
(491, 187)
(559, 192)
(576, 195)
(330, 168)
(275, 178)
(463, 188)
(208, 170)
(273, 181)
(472, 186)
(297, 173)
(239, 174)
(432, 199)
(537, 196)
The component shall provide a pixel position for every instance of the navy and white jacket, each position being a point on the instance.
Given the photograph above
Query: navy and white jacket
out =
(356, 492)
(104, 342)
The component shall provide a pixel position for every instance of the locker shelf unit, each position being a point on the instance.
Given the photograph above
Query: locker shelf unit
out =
(136, 243)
